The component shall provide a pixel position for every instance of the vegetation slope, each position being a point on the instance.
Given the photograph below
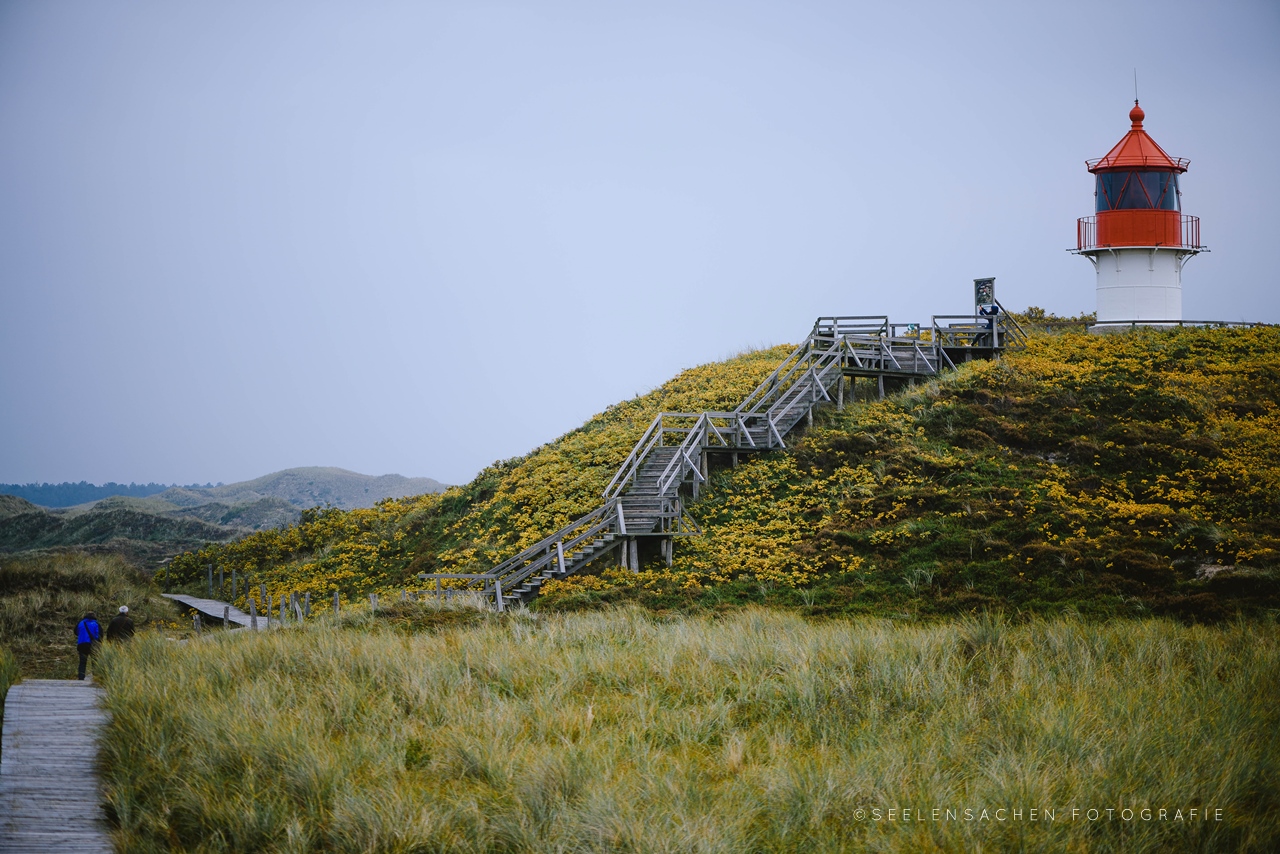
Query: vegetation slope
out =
(1105, 475)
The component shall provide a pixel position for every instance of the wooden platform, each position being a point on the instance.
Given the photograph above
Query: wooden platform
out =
(49, 795)
(214, 608)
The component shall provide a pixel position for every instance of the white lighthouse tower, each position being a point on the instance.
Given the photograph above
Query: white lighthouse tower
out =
(1138, 239)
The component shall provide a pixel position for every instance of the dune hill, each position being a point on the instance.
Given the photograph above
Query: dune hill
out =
(1101, 475)
(308, 487)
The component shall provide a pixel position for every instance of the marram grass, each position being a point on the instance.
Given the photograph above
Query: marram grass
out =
(760, 731)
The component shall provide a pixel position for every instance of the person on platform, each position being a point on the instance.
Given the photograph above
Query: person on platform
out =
(88, 633)
(121, 627)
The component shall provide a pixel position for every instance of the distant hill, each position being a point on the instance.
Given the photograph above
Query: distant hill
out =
(308, 487)
(12, 505)
(71, 494)
(111, 525)
(155, 525)
(300, 487)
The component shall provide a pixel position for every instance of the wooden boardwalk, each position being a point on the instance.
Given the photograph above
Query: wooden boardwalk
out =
(49, 795)
(214, 608)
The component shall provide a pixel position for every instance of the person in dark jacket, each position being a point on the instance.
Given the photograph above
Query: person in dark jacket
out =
(88, 633)
(121, 627)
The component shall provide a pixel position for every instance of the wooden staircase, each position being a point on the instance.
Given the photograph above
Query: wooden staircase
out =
(644, 501)
(646, 497)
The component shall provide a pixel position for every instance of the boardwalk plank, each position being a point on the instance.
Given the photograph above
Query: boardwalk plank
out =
(214, 608)
(49, 796)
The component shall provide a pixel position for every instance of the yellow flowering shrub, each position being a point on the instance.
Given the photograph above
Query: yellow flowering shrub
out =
(1105, 474)
(1108, 474)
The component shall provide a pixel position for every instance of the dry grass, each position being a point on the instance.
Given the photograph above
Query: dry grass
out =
(8, 675)
(43, 596)
(620, 731)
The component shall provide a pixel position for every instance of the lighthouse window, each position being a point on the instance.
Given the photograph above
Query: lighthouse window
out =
(1118, 191)
(1161, 188)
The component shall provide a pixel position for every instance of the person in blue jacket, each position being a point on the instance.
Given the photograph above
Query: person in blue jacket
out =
(88, 633)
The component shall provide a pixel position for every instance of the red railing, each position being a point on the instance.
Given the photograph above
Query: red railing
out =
(1087, 237)
(1133, 161)
(1087, 232)
(1191, 231)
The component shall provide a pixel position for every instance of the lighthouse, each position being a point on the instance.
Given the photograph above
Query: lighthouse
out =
(1138, 238)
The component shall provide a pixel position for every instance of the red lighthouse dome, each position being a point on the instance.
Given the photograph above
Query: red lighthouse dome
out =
(1138, 238)
(1138, 201)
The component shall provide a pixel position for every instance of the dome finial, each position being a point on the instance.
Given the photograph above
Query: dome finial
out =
(1136, 115)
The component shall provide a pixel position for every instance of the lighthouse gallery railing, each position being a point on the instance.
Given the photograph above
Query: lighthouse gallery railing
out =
(1087, 233)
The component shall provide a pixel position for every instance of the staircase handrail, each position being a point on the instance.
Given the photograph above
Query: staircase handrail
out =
(699, 437)
(769, 383)
(1004, 329)
(632, 463)
(842, 326)
(605, 512)
(827, 333)
(519, 573)
(680, 464)
(653, 438)
(1019, 334)
(781, 382)
(787, 403)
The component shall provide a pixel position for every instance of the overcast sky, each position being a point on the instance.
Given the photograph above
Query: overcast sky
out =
(237, 237)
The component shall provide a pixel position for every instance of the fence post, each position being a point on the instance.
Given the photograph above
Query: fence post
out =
(497, 588)
(226, 616)
(208, 568)
(306, 608)
(373, 602)
(337, 603)
(283, 612)
(196, 622)
(222, 581)
(253, 613)
(297, 607)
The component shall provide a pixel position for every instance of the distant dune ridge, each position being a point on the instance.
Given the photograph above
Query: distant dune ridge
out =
(308, 487)
(183, 518)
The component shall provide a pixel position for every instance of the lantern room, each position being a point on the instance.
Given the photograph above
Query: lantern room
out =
(1138, 238)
